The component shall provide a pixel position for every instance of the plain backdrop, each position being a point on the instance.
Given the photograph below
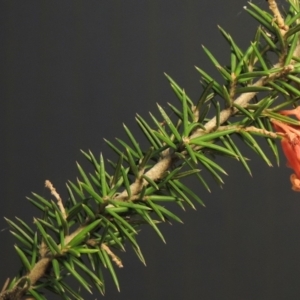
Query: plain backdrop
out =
(72, 72)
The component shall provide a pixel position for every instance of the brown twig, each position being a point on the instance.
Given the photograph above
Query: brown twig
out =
(114, 258)
(155, 173)
(53, 191)
(277, 17)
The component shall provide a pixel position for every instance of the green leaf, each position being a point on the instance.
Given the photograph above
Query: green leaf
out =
(170, 174)
(160, 125)
(115, 239)
(192, 166)
(281, 40)
(21, 239)
(131, 205)
(25, 226)
(61, 221)
(207, 137)
(87, 271)
(120, 219)
(90, 214)
(102, 177)
(56, 268)
(292, 48)
(228, 99)
(259, 57)
(246, 136)
(289, 87)
(169, 123)
(73, 293)
(139, 254)
(21, 232)
(12, 283)
(73, 252)
(151, 222)
(76, 275)
(208, 79)
(113, 147)
(263, 105)
(223, 72)
(234, 48)
(239, 156)
(125, 145)
(177, 112)
(132, 164)
(243, 64)
(23, 258)
(42, 200)
(282, 118)
(190, 152)
(292, 31)
(92, 192)
(186, 173)
(244, 111)
(157, 211)
(208, 161)
(39, 206)
(178, 88)
(167, 213)
(294, 6)
(269, 41)
(117, 173)
(185, 119)
(204, 112)
(35, 250)
(250, 75)
(293, 19)
(188, 191)
(90, 157)
(77, 190)
(146, 157)
(126, 181)
(173, 184)
(95, 180)
(261, 16)
(179, 95)
(293, 78)
(208, 166)
(154, 141)
(55, 250)
(133, 141)
(165, 139)
(75, 212)
(84, 176)
(150, 181)
(51, 244)
(36, 295)
(162, 198)
(77, 239)
(212, 146)
(85, 250)
(205, 96)
(266, 125)
(253, 89)
(278, 88)
(110, 268)
(217, 107)
(72, 199)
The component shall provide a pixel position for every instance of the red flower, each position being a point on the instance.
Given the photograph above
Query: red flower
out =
(291, 145)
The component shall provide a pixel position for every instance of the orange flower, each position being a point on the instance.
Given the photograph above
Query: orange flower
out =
(291, 145)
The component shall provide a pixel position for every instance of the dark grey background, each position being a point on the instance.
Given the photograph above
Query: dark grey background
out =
(72, 72)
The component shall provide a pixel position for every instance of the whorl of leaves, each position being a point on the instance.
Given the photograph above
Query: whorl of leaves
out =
(105, 209)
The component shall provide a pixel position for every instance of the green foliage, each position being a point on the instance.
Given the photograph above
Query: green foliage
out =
(106, 209)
